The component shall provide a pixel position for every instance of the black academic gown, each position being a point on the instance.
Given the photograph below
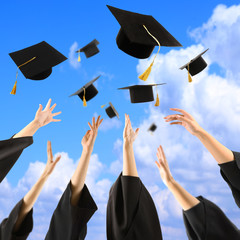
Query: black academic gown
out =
(131, 213)
(10, 151)
(7, 225)
(70, 222)
(206, 221)
(230, 172)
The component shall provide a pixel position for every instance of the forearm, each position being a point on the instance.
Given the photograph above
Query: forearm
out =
(29, 200)
(79, 176)
(218, 151)
(129, 164)
(29, 130)
(185, 199)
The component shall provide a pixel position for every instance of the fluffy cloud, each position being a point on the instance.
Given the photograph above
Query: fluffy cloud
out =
(73, 57)
(221, 33)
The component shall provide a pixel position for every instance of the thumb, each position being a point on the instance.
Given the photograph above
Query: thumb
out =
(39, 109)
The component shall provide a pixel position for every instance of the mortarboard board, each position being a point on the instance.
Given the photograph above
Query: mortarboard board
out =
(87, 92)
(36, 62)
(195, 66)
(90, 49)
(153, 127)
(141, 93)
(139, 34)
(111, 111)
(134, 40)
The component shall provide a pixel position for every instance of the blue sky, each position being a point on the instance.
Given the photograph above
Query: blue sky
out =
(197, 25)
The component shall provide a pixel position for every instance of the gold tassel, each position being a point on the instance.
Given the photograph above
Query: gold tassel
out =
(146, 74)
(14, 88)
(84, 99)
(79, 59)
(15, 84)
(103, 105)
(189, 76)
(157, 103)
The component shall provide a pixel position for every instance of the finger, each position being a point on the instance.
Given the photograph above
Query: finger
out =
(136, 132)
(39, 109)
(158, 165)
(48, 104)
(49, 151)
(56, 120)
(90, 126)
(173, 115)
(177, 123)
(93, 122)
(182, 111)
(98, 120)
(171, 119)
(53, 106)
(55, 114)
(164, 157)
(57, 159)
(184, 119)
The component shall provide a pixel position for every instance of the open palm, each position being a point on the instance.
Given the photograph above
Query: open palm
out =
(43, 117)
(129, 135)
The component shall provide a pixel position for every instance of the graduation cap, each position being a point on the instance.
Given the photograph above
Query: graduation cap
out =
(36, 61)
(142, 93)
(195, 66)
(90, 49)
(152, 128)
(139, 34)
(87, 92)
(111, 111)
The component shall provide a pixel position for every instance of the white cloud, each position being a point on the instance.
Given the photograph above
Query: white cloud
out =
(109, 124)
(221, 33)
(73, 57)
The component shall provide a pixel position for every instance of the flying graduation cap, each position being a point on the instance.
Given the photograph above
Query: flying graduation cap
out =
(152, 128)
(36, 62)
(90, 49)
(87, 92)
(195, 66)
(142, 93)
(139, 34)
(111, 111)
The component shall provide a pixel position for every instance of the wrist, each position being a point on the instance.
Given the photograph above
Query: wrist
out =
(44, 176)
(127, 144)
(36, 124)
(170, 183)
(87, 150)
(200, 133)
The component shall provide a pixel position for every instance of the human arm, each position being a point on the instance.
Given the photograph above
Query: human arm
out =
(129, 136)
(42, 118)
(31, 197)
(185, 199)
(79, 176)
(220, 153)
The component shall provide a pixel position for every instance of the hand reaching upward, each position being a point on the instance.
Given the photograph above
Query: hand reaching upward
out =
(129, 135)
(44, 117)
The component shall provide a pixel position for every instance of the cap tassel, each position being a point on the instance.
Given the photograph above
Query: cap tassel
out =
(157, 103)
(84, 99)
(189, 76)
(14, 89)
(79, 58)
(146, 74)
(103, 105)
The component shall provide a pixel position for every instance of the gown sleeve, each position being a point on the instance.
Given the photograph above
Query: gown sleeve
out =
(10, 151)
(70, 222)
(7, 225)
(230, 172)
(131, 213)
(206, 221)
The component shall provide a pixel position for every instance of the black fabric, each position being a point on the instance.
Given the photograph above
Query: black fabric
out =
(70, 222)
(7, 225)
(230, 172)
(10, 151)
(134, 40)
(90, 49)
(206, 221)
(131, 213)
(41, 67)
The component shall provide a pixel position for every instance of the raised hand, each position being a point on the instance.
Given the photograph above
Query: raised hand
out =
(163, 167)
(43, 117)
(50, 163)
(129, 135)
(90, 136)
(184, 119)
